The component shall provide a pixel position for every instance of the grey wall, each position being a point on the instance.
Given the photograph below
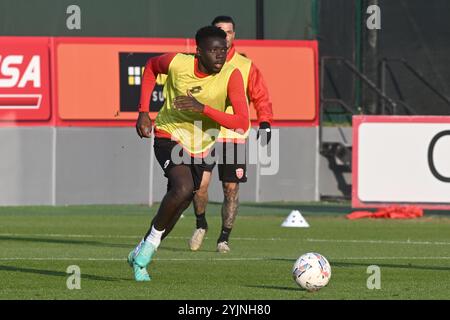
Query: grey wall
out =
(297, 177)
(333, 182)
(101, 165)
(59, 166)
(26, 165)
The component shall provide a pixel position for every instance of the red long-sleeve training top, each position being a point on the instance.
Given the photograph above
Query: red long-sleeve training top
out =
(257, 91)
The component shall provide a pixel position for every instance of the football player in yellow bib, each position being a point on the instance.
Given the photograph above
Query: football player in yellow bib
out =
(232, 169)
(197, 91)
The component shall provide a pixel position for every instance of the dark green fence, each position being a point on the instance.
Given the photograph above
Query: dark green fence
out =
(287, 19)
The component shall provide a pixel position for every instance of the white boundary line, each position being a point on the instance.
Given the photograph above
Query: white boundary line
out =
(60, 235)
(124, 259)
(214, 259)
(381, 241)
(138, 237)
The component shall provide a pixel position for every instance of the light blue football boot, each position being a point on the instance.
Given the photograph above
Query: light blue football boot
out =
(140, 271)
(144, 255)
(133, 252)
(140, 274)
(130, 258)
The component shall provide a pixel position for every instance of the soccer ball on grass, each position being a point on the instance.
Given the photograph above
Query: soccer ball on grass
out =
(311, 271)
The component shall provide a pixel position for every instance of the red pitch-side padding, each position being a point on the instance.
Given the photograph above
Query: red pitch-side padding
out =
(394, 212)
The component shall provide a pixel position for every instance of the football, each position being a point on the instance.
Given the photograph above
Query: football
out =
(311, 271)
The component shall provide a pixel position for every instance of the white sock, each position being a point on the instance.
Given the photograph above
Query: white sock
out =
(155, 237)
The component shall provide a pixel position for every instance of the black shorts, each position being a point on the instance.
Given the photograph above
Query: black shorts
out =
(163, 148)
(233, 162)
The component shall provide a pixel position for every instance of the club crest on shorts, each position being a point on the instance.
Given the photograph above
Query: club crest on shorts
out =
(239, 173)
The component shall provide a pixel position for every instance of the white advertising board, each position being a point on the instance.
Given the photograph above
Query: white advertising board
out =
(401, 160)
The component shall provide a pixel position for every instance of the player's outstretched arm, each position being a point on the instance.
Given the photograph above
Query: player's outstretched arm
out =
(153, 67)
(259, 94)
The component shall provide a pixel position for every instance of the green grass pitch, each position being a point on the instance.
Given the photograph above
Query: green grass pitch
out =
(38, 244)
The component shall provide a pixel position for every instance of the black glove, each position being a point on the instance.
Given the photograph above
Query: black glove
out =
(265, 130)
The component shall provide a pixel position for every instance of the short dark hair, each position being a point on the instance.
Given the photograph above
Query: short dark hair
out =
(209, 32)
(226, 19)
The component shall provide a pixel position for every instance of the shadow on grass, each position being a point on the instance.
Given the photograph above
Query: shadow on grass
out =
(55, 273)
(64, 241)
(329, 208)
(182, 249)
(276, 288)
(373, 262)
(304, 208)
(173, 249)
(388, 265)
